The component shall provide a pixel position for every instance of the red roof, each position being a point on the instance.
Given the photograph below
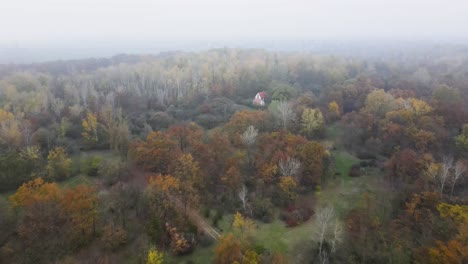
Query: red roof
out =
(262, 94)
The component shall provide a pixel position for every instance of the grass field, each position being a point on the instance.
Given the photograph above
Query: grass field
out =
(77, 180)
(343, 163)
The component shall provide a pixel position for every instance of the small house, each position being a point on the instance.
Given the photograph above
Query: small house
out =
(259, 99)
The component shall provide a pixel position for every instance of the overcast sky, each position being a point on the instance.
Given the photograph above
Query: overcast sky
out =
(64, 22)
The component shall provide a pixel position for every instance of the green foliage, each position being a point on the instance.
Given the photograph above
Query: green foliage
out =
(90, 165)
(462, 139)
(58, 164)
(283, 91)
(312, 122)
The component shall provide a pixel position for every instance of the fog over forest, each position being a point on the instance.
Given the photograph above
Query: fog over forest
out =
(37, 31)
(234, 132)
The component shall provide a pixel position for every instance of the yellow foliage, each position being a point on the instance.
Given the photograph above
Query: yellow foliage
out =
(35, 191)
(10, 132)
(420, 107)
(334, 108)
(251, 257)
(154, 257)
(459, 213)
(288, 186)
(5, 115)
(243, 226)
(90, 127)
(164, 182)
(58, 164)
(228, 250)
(312, 121)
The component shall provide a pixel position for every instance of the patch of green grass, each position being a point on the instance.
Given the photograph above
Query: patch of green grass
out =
(77, 180)
(276, 237)
(343, 163)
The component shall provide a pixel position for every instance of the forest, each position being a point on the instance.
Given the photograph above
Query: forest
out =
(243, 156)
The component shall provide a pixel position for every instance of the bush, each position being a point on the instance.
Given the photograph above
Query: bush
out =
(112, 172)
(355, 171)
(113, 237)
(263, 210)
(90, 165)
(294, 216)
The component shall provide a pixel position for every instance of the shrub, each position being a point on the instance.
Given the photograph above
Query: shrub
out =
(294, 216)
(355, 171)
(90, 165)
(263, 210)
(113, 237)
(111, 172)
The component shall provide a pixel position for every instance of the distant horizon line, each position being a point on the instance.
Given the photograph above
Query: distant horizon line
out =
(29, 55)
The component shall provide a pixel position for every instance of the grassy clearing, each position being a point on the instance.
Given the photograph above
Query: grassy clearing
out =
(343, 163)
(276, 237)
(77, 180)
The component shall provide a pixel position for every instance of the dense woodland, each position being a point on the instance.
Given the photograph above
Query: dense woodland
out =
(164, 158)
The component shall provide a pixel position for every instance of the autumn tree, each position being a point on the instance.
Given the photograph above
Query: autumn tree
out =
(243, 227)
(58, 164)
(186, 135)
(155, 154)
(80, 204)
(43, 226)
(228, 250)
(10, 130)
(119, 139)
(90, 128)
(312, 122)
(187, 170)
(154, 256)
(379, 102)
(288, 186)
(334, 108)
(312, 156)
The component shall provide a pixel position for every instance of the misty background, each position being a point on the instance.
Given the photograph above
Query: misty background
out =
(35, 31)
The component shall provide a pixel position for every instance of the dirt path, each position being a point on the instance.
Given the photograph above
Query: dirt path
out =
(139, 179)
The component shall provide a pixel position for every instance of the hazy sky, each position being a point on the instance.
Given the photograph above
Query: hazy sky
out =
(58, 22)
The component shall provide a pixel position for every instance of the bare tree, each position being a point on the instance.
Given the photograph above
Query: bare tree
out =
(323, 219)
(289, 166)
(249, 137)
(458, 172)
(447, 164)
(243, 196)
(285, 113)
(337, 236)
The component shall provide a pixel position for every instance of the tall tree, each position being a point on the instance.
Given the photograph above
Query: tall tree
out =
(312, 122)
